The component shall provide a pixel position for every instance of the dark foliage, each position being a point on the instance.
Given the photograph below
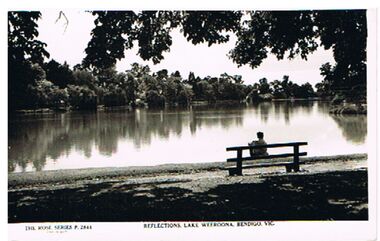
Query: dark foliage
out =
(282, 33)
(23, 51)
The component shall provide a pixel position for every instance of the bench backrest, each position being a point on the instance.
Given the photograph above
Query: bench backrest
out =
(240, 149)
(290, 144)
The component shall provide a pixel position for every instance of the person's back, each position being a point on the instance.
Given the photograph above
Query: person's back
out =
(259, 151)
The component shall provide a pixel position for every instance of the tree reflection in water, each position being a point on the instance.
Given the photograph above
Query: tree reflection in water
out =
(34, 139)
(354, 127)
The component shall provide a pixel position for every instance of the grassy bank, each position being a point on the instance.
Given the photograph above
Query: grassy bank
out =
(69, 175)
(334, 188)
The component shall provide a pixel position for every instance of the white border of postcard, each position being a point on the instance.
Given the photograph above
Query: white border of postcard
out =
(286, 230)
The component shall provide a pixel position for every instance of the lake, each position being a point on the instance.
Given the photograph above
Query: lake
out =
(145, 137)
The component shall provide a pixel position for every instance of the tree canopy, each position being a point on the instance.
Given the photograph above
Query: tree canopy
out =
(22, 33)
(259, 33)
(116, 31)
(23, 51)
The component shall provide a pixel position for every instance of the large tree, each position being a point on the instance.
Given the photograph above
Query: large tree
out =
(24, 52)
(299, 33)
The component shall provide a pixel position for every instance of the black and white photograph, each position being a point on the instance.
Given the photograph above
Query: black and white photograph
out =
(178, 118)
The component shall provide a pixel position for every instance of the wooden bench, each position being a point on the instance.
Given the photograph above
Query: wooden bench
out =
(288, 165)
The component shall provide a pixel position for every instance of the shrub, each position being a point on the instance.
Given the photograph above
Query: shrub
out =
(81, 97)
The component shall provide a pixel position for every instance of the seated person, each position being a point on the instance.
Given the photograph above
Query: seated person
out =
(258, 151)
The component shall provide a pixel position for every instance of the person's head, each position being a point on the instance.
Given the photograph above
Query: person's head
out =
(260, 135)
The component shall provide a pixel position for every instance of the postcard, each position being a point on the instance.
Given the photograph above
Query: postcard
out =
(196, 124)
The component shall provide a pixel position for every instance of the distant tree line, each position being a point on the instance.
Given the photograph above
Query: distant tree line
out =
(284, 89)
(54, 85)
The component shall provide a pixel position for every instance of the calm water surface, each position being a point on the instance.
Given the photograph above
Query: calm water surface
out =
(197, 134)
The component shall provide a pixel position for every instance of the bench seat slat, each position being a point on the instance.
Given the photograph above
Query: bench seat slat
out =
(265, 157)
(264, 165)
(235, 148)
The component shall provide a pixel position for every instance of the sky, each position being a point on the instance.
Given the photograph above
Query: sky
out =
(66, 41)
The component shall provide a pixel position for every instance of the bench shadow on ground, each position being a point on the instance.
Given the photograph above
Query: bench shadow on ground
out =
(328, 196)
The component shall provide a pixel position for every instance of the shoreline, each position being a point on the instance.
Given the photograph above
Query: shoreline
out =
(48, 110)
(94, 174)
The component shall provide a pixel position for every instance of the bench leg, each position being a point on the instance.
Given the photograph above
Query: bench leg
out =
(239, 163)
(296, 166)
(235, 172)
(288, 168)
